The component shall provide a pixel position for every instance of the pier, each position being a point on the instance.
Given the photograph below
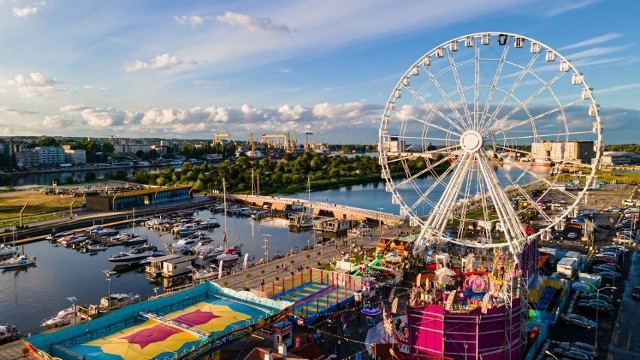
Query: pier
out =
(319, 208)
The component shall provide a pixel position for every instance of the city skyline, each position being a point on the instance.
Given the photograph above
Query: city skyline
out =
(191, 69)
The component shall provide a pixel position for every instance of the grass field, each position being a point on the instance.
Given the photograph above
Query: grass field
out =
(39, 206)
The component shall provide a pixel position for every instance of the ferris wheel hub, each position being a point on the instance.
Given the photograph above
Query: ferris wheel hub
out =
(471, 141)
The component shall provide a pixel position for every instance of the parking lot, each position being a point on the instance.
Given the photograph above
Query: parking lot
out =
(617, 317)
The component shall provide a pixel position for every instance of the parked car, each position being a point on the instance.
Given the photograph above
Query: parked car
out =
(608, 274)
(594, 296)
(593, 306)
(580, 346)
(572, 235)
(576, 319)
(607, 267)
(560, 235)
(635, 295)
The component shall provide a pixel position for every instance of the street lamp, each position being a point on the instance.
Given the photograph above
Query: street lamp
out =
(598, 307)
(266, 251)
(380, 220)
(108, 274)
(547, 352)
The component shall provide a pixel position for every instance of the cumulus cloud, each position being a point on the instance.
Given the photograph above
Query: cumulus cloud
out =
(36, 85)
(191, 20)
(252, 24)
(99, 117)
(160, 62)
(27, 10)
(57, 121)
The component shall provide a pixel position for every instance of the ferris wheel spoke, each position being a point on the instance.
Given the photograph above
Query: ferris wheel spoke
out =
(529, 120)
(494, 86)
(438, 182)
(508, 217)
(434, 111)
(428, 169)
(463, 100)
(447, 99)
(523, 72)
(523, 103)
(447, 205)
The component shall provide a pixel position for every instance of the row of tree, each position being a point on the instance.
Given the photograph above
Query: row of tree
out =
(269, 176)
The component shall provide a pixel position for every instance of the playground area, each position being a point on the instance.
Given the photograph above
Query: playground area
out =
(195, 320)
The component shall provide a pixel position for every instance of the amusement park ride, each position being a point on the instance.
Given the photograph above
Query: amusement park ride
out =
(468, 105)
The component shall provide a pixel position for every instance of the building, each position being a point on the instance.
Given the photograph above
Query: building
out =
(50, 156)
(75, 156)
(28, 158)
(121, 201)
(574, 151)
(620, 158)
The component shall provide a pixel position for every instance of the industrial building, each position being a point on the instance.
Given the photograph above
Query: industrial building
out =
(137, 199)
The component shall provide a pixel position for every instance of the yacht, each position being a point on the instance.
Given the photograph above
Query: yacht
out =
(7, 251)
(63, 317)
(18, 262)
(116, 301)
(136, 255)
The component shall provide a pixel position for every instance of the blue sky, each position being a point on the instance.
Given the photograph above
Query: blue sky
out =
(188, 69)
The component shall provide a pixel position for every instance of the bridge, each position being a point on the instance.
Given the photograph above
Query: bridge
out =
(318, 208)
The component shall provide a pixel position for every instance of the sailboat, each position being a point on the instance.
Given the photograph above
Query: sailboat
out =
(134, 239)
(302, 220)
(230, 254)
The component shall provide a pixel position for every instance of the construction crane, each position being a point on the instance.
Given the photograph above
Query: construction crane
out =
(218, 137)
(278, 140)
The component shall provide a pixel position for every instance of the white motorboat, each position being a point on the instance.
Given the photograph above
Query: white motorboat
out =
(210, 223)
(63, 317)
(58, 235)
(229, 254)
(187, 229)
(136, 255)
(18, 262)
(116, 301)
(7, 251)
(95, 247)
(107, 232)
(69, 241)
(184, 245)
(210, 272)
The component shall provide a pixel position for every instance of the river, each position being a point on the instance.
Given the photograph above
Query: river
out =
(29, 296)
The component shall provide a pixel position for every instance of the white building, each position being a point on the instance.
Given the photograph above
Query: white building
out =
(619, 158)
(78, 156)
(50, 155)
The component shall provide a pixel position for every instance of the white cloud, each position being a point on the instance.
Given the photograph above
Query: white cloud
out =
(251, 24)
(57, 121)
(593, 41)
(109, 117)
(559, 7)
(27, 10)
(193, 20)
(160, 62)
(36, 85)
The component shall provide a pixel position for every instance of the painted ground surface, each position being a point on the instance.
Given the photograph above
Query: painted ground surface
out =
(161, 339)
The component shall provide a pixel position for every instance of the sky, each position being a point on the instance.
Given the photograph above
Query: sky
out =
(313, 68)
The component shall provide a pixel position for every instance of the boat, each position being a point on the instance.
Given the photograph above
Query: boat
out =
(63, 317)
(18, 262)
(135, 255)
(187, 229)
(95, 247)
(183, 245)
(135, 240)
(117, 301)
(210, 272)
(7, 251)
(229, 254)
(8, 333)
(54, 236)
(210, 223)
(70, 240)
(107, 232)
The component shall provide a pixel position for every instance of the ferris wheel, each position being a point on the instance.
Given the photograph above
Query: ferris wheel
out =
(488, 140)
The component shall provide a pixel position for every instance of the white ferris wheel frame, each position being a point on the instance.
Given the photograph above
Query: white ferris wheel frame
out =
(467, 134)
